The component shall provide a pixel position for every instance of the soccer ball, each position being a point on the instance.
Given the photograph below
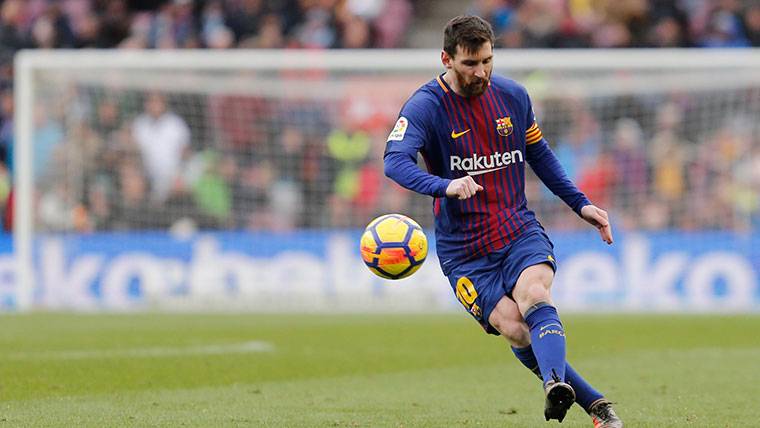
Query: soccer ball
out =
(393, 246)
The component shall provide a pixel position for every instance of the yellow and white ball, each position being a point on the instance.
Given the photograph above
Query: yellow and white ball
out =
(393, 246)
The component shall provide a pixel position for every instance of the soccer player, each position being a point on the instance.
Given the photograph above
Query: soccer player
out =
(475, 132)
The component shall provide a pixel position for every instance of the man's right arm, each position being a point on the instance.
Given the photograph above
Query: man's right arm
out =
(405, 141)
(401, 168)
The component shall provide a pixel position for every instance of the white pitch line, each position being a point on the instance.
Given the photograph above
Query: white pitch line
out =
(161, 351)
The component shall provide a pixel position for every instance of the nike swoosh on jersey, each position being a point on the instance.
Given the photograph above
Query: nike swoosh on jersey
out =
(456, 135)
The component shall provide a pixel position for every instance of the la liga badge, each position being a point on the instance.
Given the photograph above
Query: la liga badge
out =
(399, 130)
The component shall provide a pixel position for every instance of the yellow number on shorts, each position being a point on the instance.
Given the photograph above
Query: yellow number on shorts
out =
(466, 292)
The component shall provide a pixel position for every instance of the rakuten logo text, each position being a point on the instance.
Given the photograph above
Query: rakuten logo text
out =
(476, 164)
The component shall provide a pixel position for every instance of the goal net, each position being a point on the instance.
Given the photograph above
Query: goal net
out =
(118, 150)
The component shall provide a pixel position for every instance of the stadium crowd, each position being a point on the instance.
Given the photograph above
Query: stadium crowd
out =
(245, 162)
(622, 23)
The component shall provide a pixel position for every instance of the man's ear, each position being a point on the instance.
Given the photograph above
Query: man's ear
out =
(447, 60)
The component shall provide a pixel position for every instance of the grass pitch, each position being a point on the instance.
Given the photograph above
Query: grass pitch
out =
(363, 371)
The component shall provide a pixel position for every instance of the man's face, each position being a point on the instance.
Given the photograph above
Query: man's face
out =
(472, 69)
(155, 105)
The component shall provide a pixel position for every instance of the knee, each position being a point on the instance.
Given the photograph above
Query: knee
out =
(533, 290)
(516, 332)
(532, 293)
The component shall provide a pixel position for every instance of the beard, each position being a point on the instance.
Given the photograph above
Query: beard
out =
(472, 89)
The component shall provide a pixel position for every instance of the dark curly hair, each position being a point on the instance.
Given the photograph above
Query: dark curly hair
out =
(467, 31)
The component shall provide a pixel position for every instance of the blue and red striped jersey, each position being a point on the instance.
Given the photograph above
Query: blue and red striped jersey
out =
(490, 137)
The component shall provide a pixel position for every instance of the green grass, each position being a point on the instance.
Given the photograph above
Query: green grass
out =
(363, 371)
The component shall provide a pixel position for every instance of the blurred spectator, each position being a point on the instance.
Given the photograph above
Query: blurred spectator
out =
(12, 32)
(100, 213)
(289, 156)
(48, 134)
(750, 172)
(240, 122)
(6, 128)
(44, 35)
(752, 24)
(219, 38)
(211, 190)
(355, 34)
(668, 32)
(5, 186)
(48, 28)
(500, 13)
(57, 209)
(163, 138)
(391, 23)
(115, 25)
(598, 180)
(133, 209)
(630, 162)
(348, 149)
(214, 32)
(245, 18)
(668, 155)
(724, 30)
(107, 115)
(252, 196)
(270, 35)
(581, 142)
(173, 26)
(318, 29)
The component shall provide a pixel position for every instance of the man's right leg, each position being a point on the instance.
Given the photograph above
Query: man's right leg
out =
(585, 394)
(506, 318)
(547, 335)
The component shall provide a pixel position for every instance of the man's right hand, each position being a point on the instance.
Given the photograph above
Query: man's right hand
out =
(463, 188)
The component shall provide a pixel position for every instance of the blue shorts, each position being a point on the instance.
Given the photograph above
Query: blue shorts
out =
(479, 284)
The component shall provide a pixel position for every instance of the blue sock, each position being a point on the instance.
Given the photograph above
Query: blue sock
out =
(548, 340)
(585, 394)
(526, 357)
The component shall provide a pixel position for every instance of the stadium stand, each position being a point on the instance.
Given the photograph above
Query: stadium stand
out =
(273, 175)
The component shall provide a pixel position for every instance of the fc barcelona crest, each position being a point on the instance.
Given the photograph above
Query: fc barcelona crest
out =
(504, 126)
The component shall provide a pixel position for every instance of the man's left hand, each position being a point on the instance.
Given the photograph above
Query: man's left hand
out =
(599, 219)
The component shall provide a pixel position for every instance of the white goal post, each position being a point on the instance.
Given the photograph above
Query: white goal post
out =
(604, 79)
